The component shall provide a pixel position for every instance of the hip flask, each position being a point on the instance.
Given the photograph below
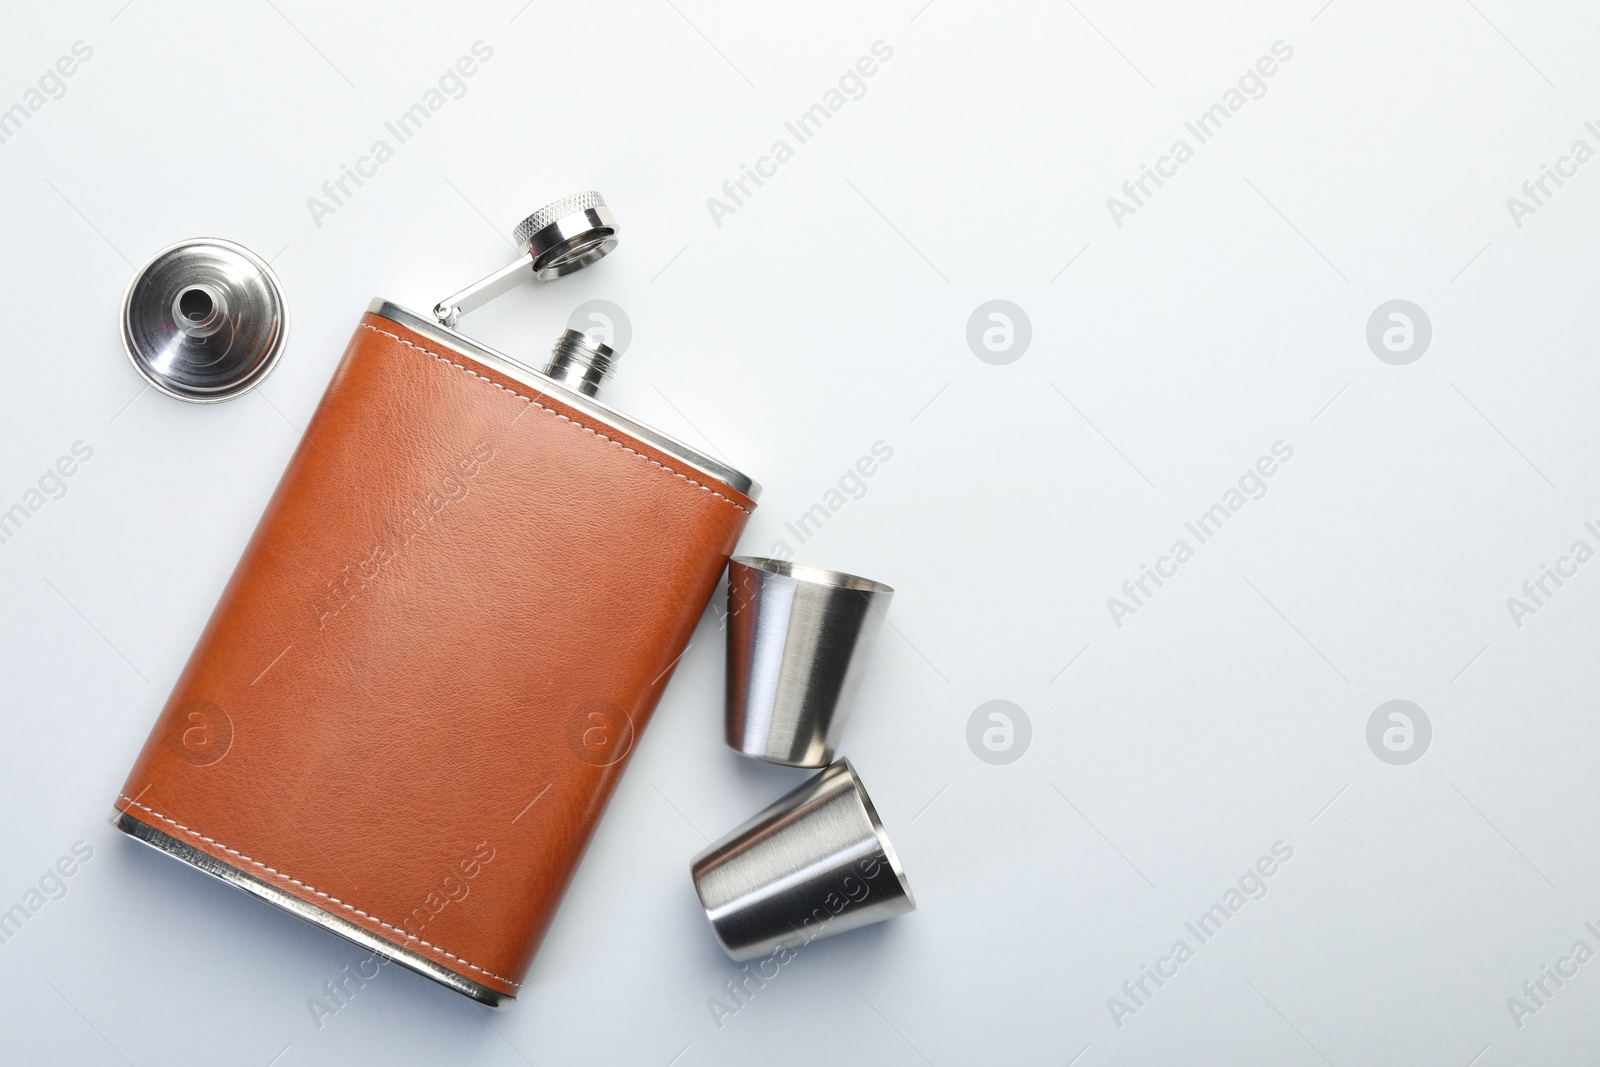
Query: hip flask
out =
(456, 615)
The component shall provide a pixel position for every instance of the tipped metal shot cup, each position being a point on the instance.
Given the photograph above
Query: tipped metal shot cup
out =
(814, 864)
(796, 636)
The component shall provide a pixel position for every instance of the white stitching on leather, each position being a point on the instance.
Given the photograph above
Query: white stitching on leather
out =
(557, 414)
(318, 892)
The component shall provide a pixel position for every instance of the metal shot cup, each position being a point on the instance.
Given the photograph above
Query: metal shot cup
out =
(796, 636)
(814, 864)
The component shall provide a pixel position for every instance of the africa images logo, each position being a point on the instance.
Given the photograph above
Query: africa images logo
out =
(51, 85)
(51, 485)
(1253, 885)
(851, 85)
(1251, 485)
(1251, 85)
(354, 579)
(51, 886)
(450, 85)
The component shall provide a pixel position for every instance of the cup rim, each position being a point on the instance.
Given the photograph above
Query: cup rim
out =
(880, 833)
(805, 572)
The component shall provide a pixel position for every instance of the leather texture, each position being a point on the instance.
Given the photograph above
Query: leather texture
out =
(430, 666)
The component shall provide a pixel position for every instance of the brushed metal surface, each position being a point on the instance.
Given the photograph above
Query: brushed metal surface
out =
(797, 637)
(816, 863)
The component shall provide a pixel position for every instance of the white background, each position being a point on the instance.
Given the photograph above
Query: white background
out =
(829, 312)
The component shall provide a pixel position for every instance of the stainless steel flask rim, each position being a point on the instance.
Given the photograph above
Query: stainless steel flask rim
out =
(588, 405)
(563, 236)
(327, 920)
(204, 320)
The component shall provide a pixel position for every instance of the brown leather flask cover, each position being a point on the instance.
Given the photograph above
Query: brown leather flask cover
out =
(425, 676)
